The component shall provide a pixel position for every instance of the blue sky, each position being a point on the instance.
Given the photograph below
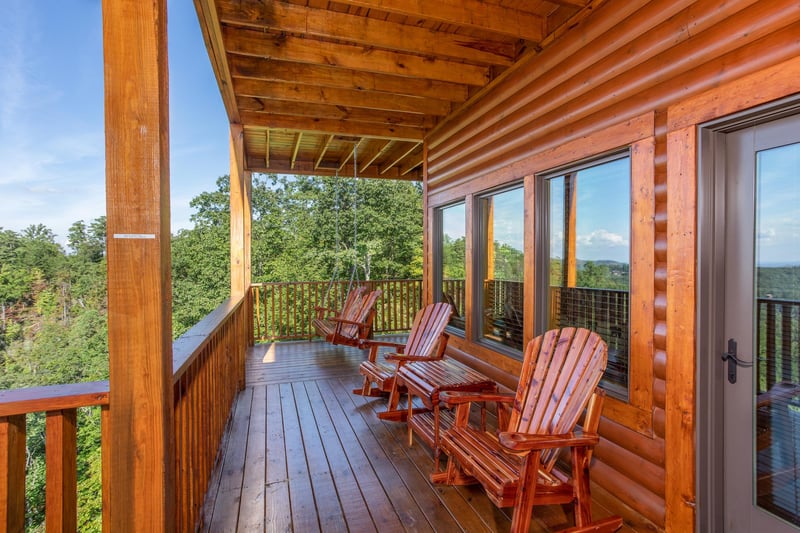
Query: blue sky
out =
(52, 152)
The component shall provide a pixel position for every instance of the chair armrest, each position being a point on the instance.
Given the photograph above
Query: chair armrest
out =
(520, 442)
(453, 398)
(345, 321)
(400, 358)
(369, 343)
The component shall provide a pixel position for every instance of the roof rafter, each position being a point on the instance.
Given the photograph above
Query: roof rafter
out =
(470, 13)
(356, 57)
(325, 76)
(342, 97)
(364, 30)
(333, 111)
(339, 127)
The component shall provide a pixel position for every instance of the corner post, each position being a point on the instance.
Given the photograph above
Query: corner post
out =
(139, 450)
(240, 192)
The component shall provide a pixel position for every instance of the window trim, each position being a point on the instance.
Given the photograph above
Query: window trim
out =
(438, 255)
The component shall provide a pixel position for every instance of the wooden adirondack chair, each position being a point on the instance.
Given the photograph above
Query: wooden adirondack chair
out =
(426, 342)
(558, 380)
(356, 327)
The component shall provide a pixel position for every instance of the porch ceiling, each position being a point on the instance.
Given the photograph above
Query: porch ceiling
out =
(311, 80)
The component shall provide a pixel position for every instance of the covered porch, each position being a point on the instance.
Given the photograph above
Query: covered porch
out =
(303, 453)
(471, 98)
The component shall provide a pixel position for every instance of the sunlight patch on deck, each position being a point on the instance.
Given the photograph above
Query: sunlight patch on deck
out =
(269, 356)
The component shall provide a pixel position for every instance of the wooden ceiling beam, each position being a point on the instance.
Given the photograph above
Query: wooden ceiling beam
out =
(266, 146)
(255, 164)
(210, 28)
(476, 14)
(323, 149)
(296, 148)
(390, 163)
(580, 4)
(342, 97)
(413, 161)
(368, 160)
(284, 17)
(339, 127)
(337, 112)
(355, 57)
(324, 76)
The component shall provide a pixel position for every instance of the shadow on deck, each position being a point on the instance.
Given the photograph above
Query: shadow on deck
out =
(304, 454)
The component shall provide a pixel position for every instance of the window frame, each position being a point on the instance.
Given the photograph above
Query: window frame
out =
(542, 246)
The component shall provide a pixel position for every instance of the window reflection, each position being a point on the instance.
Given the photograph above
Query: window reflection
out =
(588, 258)
(502, 264)
(453, 261)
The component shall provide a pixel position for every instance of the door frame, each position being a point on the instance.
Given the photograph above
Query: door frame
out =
(711, 139)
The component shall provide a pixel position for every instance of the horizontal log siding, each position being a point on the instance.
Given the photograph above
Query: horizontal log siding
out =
(628, 59)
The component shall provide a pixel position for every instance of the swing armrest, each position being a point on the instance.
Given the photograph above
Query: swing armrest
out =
(345, 321)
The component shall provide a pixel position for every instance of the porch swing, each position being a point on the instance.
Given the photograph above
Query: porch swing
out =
(352, 324)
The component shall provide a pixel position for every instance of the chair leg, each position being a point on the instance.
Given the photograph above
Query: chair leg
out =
(526, 494)
(580, 484)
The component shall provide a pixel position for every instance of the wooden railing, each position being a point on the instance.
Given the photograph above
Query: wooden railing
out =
(208, 363)
(60, 403)
(778, 342)
(283, 311)
(605, 311)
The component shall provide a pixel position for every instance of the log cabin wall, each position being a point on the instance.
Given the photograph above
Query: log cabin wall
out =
(606, 84)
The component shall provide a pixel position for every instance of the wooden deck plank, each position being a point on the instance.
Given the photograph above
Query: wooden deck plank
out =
(277, 513)
(369, 468)
(301, 493)
(344, 478)
(301, 448)
(252, 504)
(329, 509)
(420, 488)
(226, 509)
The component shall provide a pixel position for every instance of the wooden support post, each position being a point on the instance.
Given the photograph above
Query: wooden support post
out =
(570, 261)
(139, 483)
(12, 473)
(240, 187)
(61, 492)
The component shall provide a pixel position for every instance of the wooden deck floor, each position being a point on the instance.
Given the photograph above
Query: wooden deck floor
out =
(304, 454)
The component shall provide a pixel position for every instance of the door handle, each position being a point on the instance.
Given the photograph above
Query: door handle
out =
(733, 361)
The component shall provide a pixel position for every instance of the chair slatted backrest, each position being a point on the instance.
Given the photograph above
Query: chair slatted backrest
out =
(560, 372)
(427, 328)
(362, 312)
(352, 304)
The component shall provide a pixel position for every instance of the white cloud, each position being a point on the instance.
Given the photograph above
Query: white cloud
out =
(602, 237)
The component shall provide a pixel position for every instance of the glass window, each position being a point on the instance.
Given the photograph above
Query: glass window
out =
(587, 258)
(452, 261)
(501, 267)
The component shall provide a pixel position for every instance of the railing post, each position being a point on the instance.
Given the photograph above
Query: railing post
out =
(61, 491)
(12, 473)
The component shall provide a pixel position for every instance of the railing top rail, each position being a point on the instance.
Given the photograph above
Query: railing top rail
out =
(190, 343)
(53, 398)
(344, 281)
(778, 301)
